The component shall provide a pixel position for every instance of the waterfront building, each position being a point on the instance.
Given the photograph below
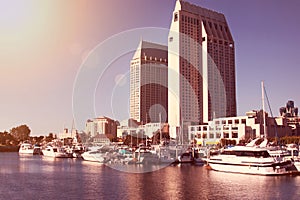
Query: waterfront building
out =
(68, 134)
(240, 129)
(148, 129)
(201, 68)
(127, 127)
(101, 125)
(101, 139)
(148, 83)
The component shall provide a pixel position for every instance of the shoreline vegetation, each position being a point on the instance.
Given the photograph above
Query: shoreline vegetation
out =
(10, 141)
(9, 148)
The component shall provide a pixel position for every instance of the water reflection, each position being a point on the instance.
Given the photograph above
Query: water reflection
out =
(136, 168)
(39, 177)
(241, 186)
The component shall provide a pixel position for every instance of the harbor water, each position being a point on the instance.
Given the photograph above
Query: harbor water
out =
(37, 177)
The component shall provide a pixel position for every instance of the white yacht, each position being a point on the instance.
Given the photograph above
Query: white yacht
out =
(249, 160)
(56, 152)
(26, 148)
(96, 154)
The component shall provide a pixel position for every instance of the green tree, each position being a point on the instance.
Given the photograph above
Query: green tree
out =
(84, 137)
(50, 137)
(7, 139)
(20, 133)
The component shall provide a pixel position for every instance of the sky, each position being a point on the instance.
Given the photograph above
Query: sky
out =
(44, 45)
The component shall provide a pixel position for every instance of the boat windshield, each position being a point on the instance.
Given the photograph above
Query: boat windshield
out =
(257, 154)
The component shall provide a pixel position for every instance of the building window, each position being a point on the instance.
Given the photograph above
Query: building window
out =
(234, 135)
(171, 39)
(175, 17)
(216, 26)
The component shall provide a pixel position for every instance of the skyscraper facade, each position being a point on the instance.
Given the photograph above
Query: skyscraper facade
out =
(148, 83)
(201, 67)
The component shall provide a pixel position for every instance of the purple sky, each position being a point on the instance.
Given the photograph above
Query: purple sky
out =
(43, 45)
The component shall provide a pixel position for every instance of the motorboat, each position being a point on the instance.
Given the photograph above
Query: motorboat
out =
(56, 152)
(294, 151)
(186, 157)
(126, 155)
(96, 154)
(144, 155)
(37, 150)
(199, 155)
(26, 148)
(249, 160)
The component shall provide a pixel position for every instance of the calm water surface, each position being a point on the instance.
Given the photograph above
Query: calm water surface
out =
(35, 177)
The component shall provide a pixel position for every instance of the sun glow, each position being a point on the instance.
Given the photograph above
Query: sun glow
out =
(14, 14)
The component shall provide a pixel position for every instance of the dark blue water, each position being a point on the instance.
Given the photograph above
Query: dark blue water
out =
(34, 177)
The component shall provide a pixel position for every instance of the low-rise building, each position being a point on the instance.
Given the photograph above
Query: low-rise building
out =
(68, 134)
(239, 129)
(102, 125)
(148, 129)
(101, 139)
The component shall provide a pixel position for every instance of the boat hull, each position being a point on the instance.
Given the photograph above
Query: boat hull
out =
(93, 157)
(26, 151)
(56, 155)
(297, 165)
(255, 169)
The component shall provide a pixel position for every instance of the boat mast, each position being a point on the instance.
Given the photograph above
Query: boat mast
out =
(266, 94)
(181, 129)
(263, 108)
(160, 134)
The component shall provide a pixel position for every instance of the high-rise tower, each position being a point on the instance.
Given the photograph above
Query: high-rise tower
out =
(148, 83)
(201, 69)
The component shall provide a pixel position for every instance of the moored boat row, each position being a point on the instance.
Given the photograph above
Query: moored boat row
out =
(27, 148)
(250, 159)
(50, 150)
